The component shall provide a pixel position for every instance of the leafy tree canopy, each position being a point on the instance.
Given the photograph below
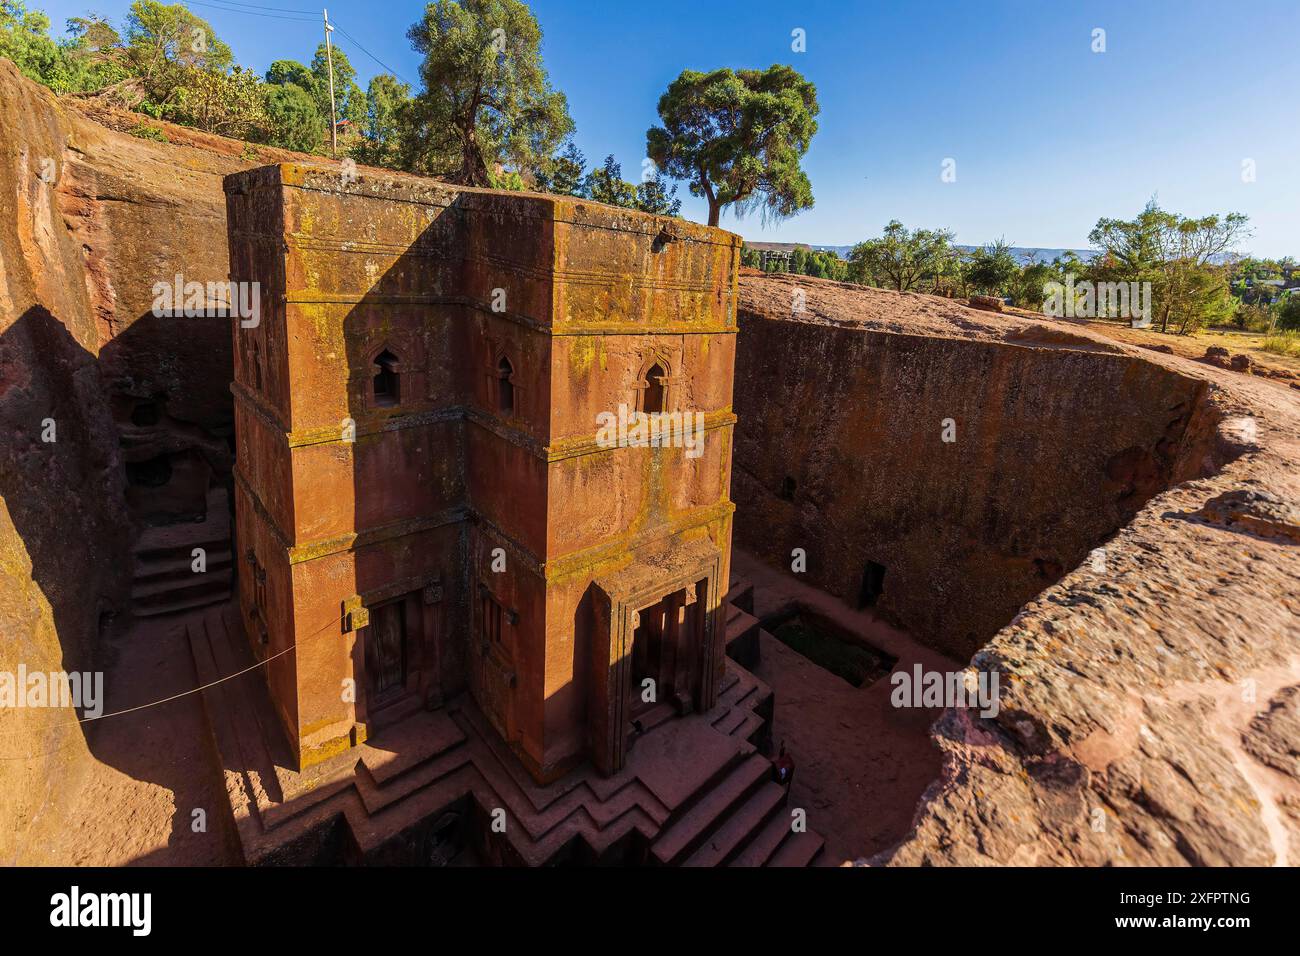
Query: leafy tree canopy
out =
(901, 257)
(655, 195)
(738, 137)
(565, 173)
(282, 72)
(487, 101)
(387, 101)
(607, 185)
(1181, 256)
(293, 120)
(992, 267)
(229, 104)
(163, 42)
(349, 100)
(25, 39)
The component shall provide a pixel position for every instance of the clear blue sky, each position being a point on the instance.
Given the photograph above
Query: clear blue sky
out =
(1047, 135)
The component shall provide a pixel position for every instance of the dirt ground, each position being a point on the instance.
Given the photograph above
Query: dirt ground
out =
(131, 800)
(861, 764)
(1285, 369)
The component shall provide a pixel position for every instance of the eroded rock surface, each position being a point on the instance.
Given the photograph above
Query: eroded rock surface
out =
(90, 219)
(1147, 699)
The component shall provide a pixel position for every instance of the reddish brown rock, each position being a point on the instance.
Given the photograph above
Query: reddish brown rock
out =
(989, 303)
(90, 219)
(1131, 687)
(1148, 710)
(420, 449)
(1216, 355)
(965, 461)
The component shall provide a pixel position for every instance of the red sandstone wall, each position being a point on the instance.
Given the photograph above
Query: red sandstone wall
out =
(79, 256)
(629, 290)
(62, 509)
(1056, 449)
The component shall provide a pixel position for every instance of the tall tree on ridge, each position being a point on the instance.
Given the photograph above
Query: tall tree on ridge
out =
(738, 137)
(487, 101)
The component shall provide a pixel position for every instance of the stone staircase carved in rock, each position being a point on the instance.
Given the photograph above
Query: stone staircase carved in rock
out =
(697, 790)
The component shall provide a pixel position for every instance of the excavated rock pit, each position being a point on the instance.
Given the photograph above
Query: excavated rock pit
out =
(945, 477)
(1146, 687)
(1148, 708)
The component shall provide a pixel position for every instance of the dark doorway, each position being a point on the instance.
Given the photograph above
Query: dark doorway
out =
(145, 414)
(662, 645)
(647, 656)
(386, 651)
(873, 585)
(153, 473)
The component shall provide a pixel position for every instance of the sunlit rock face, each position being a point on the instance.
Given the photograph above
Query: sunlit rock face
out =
(1110, 529)
(942, 476)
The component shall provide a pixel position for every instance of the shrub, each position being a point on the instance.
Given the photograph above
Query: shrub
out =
(1282, 343)
(144, 131)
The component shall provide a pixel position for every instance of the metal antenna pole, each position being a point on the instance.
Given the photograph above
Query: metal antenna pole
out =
(334, 116)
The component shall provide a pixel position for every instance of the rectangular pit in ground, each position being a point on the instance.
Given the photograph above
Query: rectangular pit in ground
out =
(829, 645)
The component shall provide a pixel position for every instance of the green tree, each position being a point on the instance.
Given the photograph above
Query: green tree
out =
(229, 104)
(283, 72)
(507, 179)
(387, 100)
(607, 185)
(900, 257)
(799, 257)
(826, 265)
(94, 55)
(163, 44)
(1179, 255)
(738, 137)
(25, 39)
(293, 119)
(1198, 297)
(992, 267)
(1029, 288)
(1287, 313)
(655, 195)
(952, 274)
(564, 174)
(1256, 318)
(836, 268)
(349, 101)
(486, 100)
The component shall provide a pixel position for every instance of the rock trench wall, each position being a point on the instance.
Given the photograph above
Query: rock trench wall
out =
(841, 451)
(1148, 704)
(90, 219)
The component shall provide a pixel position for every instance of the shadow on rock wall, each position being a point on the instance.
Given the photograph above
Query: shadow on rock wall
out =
(64, 481)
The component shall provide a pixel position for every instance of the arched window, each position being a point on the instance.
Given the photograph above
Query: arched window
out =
(387, 379)
(653, 398)
(505, 387)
